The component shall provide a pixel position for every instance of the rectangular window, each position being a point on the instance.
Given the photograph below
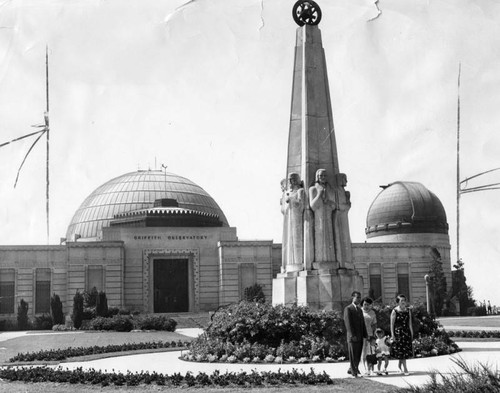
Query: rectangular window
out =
(375, 276)
(247, 277)
(375, 286)
(7, 286)
(42, 291)
(403, 280)
(95, 278)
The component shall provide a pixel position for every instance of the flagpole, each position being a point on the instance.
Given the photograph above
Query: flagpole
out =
(458, 166)
(46, 116)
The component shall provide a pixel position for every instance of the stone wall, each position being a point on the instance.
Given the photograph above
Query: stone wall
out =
(242, 264)
(393, 258)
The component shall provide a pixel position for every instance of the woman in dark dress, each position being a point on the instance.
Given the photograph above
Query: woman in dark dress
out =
(402, 333)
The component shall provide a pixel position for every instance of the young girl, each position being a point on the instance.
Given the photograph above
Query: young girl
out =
(383, 350)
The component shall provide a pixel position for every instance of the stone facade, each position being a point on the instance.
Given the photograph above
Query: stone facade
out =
(218, 269)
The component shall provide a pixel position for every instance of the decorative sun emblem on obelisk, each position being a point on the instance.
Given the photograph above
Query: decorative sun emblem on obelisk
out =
(306, 12)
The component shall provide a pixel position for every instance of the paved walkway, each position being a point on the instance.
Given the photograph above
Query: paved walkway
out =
(484, 352)
(169, 362)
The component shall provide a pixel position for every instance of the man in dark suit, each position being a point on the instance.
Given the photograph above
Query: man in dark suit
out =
(356, 332)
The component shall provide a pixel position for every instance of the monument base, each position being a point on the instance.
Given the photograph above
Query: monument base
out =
(285, 288)
(325, 289)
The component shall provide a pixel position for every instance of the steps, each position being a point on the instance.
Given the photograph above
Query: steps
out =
(190, 319)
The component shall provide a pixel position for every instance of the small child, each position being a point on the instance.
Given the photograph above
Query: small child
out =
(383, 350)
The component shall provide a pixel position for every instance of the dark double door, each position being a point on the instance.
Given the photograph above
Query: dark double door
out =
(171, 292)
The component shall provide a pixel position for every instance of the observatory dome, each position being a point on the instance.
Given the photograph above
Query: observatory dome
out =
(403, 210)
(134, 191)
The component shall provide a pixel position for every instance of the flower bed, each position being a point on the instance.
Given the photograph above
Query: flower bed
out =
(474, 333)
(258, 332)
(61, 354)
(216, 379)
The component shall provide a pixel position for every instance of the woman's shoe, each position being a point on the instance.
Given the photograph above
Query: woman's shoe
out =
(407, 373)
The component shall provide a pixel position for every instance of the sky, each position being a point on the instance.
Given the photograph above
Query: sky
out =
(204, 87)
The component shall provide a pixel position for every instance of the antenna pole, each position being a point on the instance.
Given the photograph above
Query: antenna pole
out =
(46, 116)
(458, 166)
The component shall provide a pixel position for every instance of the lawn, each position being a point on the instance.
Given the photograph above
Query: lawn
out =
(489, 321)
(34, 343)
(360, 385)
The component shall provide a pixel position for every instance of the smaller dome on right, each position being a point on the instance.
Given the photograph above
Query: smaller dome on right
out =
(406, 212)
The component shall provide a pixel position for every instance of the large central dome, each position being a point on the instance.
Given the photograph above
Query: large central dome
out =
(134, 191)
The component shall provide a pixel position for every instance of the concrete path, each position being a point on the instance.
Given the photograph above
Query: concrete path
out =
(477, 352)
(169, 362)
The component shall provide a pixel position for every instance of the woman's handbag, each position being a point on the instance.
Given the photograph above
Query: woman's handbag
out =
(371, 358)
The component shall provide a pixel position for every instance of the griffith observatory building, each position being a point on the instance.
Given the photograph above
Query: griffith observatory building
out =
(156, 242)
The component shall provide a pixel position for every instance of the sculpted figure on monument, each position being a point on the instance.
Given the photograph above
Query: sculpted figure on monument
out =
(341, 221)
(293, 204)
(323, 203)
(283, 184)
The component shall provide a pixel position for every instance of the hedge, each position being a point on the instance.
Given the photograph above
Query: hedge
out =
(61, 354)
(216, 379)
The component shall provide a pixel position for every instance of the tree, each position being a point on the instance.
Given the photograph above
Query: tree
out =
(77, 315)
(254, 293)
(22, 315)
(460, 289)
(437, 282)
(101, 307)
(56, 310)
(90, 297)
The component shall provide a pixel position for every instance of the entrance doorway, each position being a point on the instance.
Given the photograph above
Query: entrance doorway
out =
(171, 285)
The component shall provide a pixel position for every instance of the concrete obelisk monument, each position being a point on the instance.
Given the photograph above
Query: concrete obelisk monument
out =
(317, 268)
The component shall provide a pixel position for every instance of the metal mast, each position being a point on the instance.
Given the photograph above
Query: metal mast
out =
(46, 116)
(458, 166)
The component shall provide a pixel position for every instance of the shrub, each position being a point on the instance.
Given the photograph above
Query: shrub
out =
(22, 315)
(118, 323)
(259, 330)
(7, 325)
(77, 315)
(423, 323)
(90, 297)
(56, 310)
(101, 307)
(62, 328)
(476, 311)
(254, 293)
(156, 322)
(43, 322)
(61, 354)
(89, 313)
(216, 379)
(113, 311)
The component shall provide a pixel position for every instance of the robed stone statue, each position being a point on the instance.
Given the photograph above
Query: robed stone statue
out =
(323, 203)
(341, 222)
(292, 206)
